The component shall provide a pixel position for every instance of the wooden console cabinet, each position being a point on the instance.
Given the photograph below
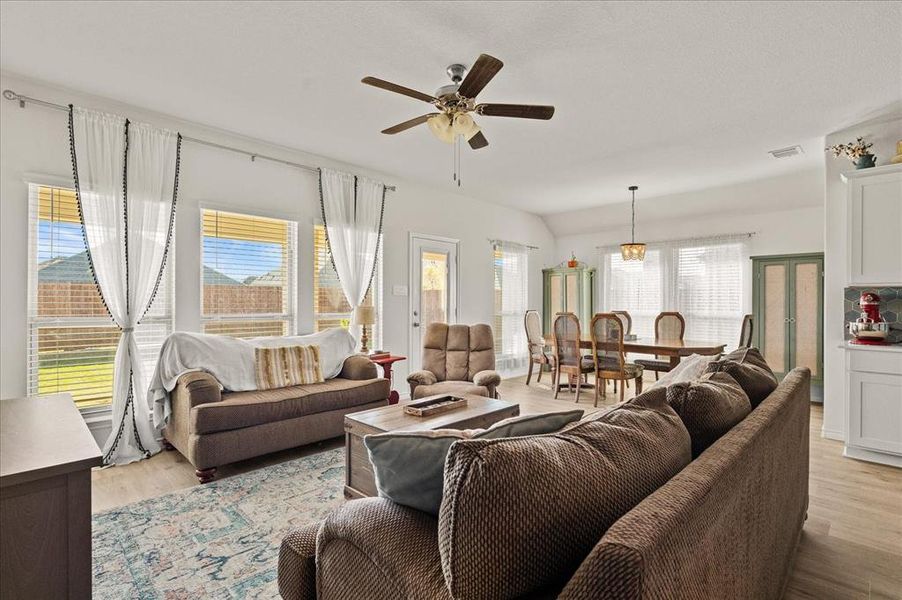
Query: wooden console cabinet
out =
(46, 455)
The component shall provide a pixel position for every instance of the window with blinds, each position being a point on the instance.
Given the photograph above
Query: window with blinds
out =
(511, 266)
(248, 275)
(709, 290)
(71, 337)
(702, 279)
(330, 306)
(635, 286)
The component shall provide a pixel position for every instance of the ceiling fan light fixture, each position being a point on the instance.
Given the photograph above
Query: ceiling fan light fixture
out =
(464, 125)
(440, 126)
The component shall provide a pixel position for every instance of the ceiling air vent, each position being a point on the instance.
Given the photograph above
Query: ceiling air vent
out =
(786, 152)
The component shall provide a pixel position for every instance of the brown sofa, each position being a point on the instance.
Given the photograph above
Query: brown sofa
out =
(213, 427)
(725, 526)
(457, 359)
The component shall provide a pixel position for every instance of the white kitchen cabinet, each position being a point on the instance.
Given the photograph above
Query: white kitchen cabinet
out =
(874, 404)
(874, 208)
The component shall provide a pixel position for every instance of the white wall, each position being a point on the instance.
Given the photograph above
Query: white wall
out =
(35, 140)
(883, 131)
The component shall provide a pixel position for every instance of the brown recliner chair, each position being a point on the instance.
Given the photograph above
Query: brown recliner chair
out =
(457, 359)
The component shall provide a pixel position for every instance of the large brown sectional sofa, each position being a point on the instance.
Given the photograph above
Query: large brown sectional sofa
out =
(212, 427)
(666, 519)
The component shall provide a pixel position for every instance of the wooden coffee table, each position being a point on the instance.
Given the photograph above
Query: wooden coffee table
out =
(360, 482)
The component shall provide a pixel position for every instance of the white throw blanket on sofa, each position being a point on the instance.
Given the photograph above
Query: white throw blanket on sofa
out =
(231, 361)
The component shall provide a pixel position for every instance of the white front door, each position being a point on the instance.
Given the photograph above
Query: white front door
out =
(433, 288)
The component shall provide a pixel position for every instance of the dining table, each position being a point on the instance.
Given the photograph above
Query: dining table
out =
(673, 349)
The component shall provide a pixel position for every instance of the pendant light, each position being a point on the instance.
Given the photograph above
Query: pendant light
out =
(633, 251)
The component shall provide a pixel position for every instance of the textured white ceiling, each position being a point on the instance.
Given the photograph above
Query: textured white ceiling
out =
(671, 96)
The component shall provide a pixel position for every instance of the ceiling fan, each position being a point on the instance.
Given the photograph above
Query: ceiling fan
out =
(455, 101)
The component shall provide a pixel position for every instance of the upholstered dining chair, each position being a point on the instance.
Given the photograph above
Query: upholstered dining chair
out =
(745, 333)
(607, 352)
(537, 349)
(627, 321)
(668, 326)
(567, 356)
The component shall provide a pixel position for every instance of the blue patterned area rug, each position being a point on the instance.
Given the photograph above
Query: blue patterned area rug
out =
(219, 540)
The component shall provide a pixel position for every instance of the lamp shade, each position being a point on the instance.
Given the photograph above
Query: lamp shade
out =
(632, 251)
(440, 126)
(365, 315)
(464, 125)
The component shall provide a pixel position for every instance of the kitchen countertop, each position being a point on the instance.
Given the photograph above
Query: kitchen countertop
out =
(890, 348)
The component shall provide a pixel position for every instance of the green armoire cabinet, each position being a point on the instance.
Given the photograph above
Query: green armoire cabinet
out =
(788, 306)
(569, 290)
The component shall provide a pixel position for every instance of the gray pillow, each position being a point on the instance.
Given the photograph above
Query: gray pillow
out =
(409, 465)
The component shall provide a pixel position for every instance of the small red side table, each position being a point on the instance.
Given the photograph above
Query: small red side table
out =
(386, 364)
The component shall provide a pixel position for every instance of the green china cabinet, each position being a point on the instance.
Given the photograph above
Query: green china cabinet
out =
(569, 289)
(788, 307)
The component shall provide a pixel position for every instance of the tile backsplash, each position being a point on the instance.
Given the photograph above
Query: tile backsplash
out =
(890, 308)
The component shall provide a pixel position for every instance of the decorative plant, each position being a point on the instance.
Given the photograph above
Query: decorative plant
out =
(853, 151)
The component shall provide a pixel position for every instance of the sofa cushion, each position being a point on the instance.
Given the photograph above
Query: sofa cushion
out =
(690, 368)
(287, 366)
(519, 514)
(245, 409)
(709, 407)
(750, 370)
(450, 387)
(409, 465)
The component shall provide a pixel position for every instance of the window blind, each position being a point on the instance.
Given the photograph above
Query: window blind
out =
(702, 279)
(248, 275)
(330, 306)
(71, 337)
(511, 289)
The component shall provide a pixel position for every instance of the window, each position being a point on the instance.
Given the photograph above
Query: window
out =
(71, 338)
(702, 279)
(635, 286)
(330, 307)
(248, 277)
(511, 299)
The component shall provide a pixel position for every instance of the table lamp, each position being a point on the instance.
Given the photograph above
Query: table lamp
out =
(365, 315)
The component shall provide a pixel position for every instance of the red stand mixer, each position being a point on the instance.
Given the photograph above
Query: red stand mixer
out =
(870, 328)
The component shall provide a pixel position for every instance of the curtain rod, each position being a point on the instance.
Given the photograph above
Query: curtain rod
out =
(22, 100)
(527, 246)
(706, 238)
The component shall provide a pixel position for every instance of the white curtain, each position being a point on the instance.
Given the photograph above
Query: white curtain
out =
(352, 215)
(706, 280)
(511, 299)
(126, 180)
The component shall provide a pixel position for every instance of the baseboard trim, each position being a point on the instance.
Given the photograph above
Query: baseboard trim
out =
(832, 434)
(893, 460)
(100, 424)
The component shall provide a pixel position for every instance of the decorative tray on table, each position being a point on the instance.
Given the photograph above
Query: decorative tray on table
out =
(434, 405)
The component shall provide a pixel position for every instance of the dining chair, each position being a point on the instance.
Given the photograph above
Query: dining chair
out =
(627, 321)
(567, 356)
(607, 353)
(532, 321)
(668, 326)
(745, 333)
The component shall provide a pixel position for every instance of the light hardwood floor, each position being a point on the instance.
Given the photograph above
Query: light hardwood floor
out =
(851, 547)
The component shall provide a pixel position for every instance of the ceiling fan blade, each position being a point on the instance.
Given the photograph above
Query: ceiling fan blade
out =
(482, 72)
(520, 111)
(398, 89)
(408, 124)
(478, 141)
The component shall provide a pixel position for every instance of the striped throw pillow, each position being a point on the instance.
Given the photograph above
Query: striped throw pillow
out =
(287, 366)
